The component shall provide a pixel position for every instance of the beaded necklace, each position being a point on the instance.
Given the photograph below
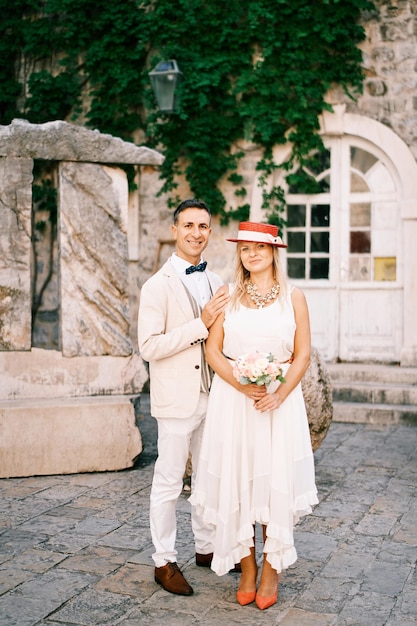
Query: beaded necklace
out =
(256, 297)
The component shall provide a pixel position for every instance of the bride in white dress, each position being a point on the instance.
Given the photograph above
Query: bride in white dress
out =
(256, 463)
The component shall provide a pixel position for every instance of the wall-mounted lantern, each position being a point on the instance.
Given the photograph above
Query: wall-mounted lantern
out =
(165, 78)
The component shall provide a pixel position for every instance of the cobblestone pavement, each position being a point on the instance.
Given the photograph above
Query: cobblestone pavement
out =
(76, 549)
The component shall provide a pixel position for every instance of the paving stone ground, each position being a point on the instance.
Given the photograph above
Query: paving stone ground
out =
(76, 549)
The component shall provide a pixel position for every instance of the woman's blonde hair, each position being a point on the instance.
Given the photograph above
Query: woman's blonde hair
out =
(242, 276)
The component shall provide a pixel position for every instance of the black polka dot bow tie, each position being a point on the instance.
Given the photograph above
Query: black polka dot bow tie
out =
(196, 268)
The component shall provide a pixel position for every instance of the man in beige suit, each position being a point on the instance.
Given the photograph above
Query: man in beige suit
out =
(177, 306)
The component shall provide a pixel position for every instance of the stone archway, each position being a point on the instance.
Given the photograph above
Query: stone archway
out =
(68, 411)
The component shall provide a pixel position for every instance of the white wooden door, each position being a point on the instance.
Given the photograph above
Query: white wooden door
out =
(344, 251)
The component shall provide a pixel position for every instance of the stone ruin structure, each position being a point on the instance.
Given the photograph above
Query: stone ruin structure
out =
(70, 410)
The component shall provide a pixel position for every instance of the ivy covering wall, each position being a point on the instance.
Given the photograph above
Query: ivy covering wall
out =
(258, 70)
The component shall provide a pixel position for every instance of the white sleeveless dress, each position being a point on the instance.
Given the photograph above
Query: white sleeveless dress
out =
(255, 467)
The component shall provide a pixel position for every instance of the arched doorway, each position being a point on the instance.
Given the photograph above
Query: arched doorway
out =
(349, 245)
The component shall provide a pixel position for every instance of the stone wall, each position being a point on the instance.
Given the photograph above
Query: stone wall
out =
(390, 67)
(390, 63)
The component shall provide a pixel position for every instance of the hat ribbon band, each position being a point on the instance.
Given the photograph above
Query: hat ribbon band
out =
(251, 235)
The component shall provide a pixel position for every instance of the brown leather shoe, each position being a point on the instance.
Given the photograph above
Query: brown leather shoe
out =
(171, 579)
(237, 569)
(203, 560)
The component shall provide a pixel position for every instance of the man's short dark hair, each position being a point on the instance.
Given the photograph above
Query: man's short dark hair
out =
(191, 203)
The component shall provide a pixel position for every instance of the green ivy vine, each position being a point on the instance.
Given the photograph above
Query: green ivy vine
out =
(256, 70)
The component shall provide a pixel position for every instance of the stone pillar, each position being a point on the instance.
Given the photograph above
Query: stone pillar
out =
(15, 253)
(93, 202)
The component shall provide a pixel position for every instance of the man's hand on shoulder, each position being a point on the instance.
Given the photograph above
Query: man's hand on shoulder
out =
(215, 306)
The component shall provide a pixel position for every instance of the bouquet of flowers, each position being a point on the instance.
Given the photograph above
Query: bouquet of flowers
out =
(260, 368)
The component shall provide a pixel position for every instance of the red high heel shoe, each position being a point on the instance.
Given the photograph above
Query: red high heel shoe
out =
(245, 597)
(264, 602)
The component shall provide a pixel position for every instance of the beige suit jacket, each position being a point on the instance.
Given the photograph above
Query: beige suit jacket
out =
(170, 340)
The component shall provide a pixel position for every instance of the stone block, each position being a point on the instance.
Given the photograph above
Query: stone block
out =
(94, 260)
(47, 374)
(67, 435)
(62, 141)
(318, 397)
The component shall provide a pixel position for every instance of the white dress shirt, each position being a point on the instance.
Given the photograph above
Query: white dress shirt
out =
(197, 283)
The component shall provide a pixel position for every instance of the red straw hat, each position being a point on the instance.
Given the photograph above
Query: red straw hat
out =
(259, 233)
